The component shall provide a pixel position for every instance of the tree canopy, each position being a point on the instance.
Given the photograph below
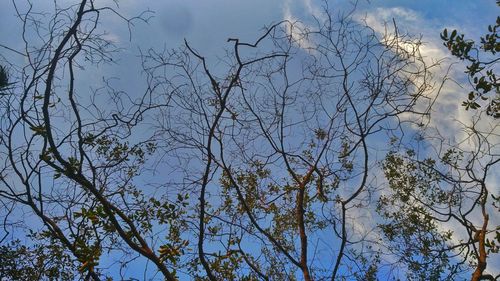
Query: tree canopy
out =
(304, 154)
(482, 58)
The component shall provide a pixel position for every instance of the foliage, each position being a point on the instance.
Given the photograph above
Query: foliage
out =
(259, 167)
(437, 210)
(37, 262)
(482, 58)
(411, 228)
(4, 79)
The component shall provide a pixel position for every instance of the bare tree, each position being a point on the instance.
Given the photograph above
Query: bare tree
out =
(283, 137)
(63, 158)
(257, 169)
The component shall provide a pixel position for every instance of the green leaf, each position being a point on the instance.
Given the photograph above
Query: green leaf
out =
(453, 34)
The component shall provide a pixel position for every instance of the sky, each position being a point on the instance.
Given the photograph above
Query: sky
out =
(207, 24)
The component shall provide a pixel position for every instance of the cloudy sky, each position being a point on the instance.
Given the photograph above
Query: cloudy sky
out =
(207, 24)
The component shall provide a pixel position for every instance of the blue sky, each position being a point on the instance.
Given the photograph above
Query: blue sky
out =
(209, 23)
(206, 25)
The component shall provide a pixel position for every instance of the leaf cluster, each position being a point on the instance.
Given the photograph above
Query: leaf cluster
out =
(481, 70)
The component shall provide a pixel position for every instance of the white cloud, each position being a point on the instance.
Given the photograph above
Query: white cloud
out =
(448, 118)
(314, 10)
(447, 115)
(297, 28)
